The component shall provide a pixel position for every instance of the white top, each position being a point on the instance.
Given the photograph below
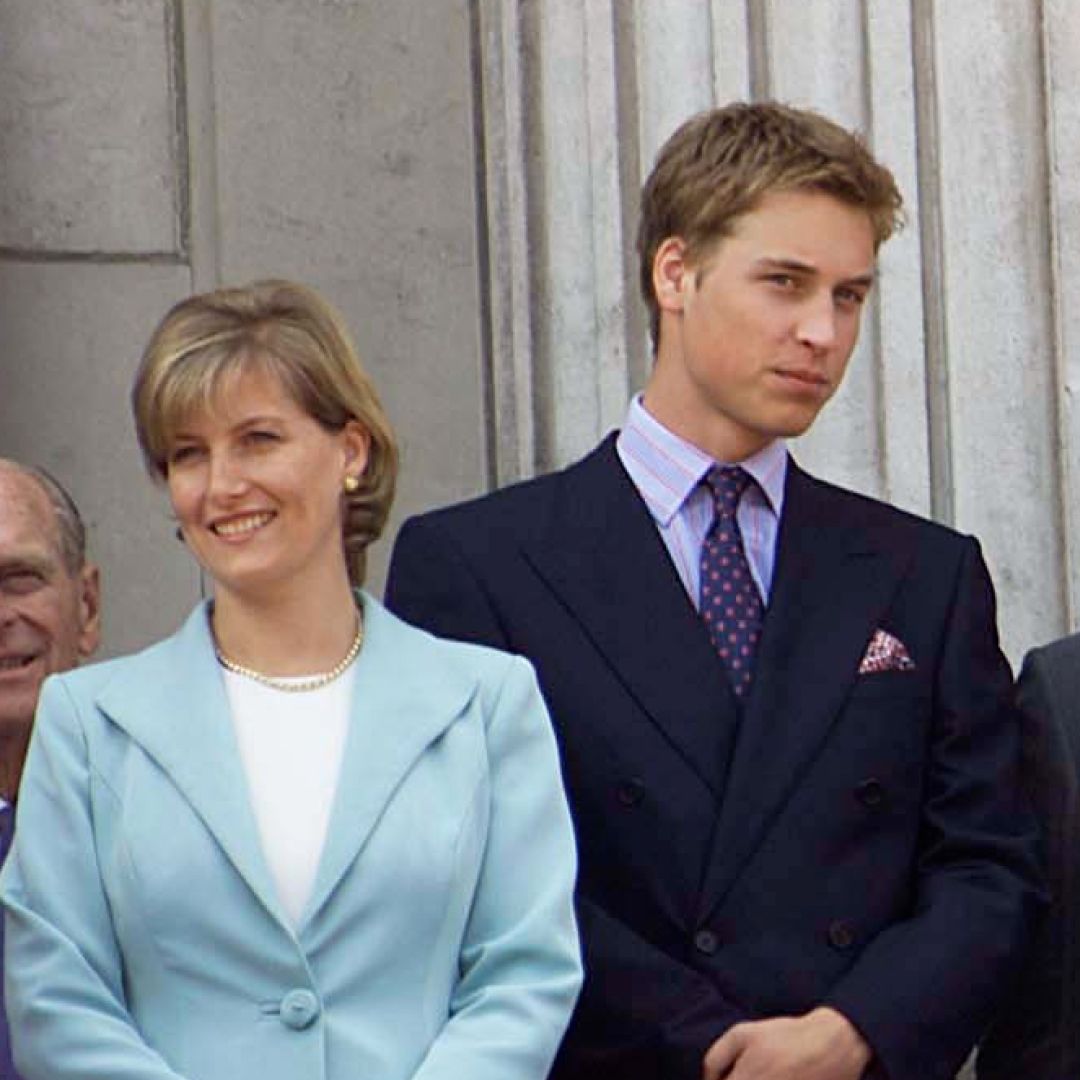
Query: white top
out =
(291, 746)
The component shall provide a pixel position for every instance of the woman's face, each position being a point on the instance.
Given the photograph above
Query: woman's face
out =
(256, 486)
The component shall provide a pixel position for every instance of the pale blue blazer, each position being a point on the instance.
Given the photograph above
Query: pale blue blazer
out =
(144, 936)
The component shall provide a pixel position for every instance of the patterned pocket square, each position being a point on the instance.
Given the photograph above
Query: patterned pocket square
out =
(885, 653)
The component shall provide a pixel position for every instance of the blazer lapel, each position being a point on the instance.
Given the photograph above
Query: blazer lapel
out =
(602, 555)
(171, 700)
(405, 695)
(835, 577)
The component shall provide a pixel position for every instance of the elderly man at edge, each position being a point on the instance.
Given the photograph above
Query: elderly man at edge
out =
(49, 622)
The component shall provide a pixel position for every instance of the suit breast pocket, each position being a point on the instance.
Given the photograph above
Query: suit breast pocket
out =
(906, 686)
(884, 722)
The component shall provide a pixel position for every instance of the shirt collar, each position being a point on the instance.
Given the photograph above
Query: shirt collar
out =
(667, 469)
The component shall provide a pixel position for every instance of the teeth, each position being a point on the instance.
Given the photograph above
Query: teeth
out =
(242, 525)
(10, 663)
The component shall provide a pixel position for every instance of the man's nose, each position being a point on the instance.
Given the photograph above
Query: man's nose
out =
(7, 609)
(817, 324)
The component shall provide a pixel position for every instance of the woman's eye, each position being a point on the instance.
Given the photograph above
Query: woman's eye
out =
(259, 437)
(180, 454)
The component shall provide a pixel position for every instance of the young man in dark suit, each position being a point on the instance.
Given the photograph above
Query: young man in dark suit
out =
(782, 709)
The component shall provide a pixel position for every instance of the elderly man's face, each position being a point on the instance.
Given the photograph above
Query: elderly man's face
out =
(49, 617)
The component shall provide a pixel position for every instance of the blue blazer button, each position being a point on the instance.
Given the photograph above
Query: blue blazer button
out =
(299, 1008)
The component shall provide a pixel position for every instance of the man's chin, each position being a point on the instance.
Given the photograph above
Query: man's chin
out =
(16, 717)
(795, 424)
(19, 691)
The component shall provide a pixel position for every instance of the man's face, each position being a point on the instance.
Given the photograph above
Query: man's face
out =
(48, 617)
(755, 338)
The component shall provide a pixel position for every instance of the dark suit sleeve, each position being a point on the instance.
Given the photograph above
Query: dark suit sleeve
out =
(1036, 1033)
(640, 1009)
(924, 989)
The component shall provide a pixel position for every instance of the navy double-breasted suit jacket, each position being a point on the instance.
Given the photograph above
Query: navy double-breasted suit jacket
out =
(848, 839)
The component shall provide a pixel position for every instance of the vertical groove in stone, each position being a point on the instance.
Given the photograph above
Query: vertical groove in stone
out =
(938, 404)
(501, 55)
(191, 98)
(757, 22)
(198, 139)
(609, 281)
(176, 52)
(535, 381)
(1060, 443)
(878, 358)
(627, 109)
(714, 59)
(483, 245)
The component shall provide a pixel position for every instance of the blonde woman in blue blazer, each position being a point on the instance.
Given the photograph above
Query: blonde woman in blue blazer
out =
(298, 840)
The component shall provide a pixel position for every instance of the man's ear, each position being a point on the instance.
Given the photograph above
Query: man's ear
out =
(89, 610)
(671, 274)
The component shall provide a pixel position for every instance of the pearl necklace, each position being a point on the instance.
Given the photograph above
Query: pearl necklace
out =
(297, 686)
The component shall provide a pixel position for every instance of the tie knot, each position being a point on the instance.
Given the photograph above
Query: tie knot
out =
(727, 484)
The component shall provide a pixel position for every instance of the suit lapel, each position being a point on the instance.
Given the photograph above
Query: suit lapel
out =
(171, 700)
(602, 555)
(835, 576)
(405, 695)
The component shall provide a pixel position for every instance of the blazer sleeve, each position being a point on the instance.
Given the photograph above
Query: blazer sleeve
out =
(923, 991)
(520, 962)
(673, 1013)
(1036, 1033)
(63, 978)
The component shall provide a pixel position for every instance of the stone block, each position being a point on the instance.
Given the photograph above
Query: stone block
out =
(88, 139)
(71, 337)
(346, 159)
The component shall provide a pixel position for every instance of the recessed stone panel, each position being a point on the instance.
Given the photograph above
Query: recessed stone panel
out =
(346, 159)
(87, 127)
(70, 340)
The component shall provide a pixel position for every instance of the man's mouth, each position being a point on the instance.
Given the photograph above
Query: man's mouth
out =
(17, 662)
(803, 375)
(241, 525)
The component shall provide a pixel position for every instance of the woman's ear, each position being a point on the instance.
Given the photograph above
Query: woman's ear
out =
(357, 446)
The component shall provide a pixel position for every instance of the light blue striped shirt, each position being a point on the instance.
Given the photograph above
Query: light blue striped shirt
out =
(667, 471)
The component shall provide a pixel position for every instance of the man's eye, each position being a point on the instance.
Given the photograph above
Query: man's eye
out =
(786, 282)
(852, 297)
(21, 582)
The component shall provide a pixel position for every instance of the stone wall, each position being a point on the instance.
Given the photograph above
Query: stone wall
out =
(461, 176)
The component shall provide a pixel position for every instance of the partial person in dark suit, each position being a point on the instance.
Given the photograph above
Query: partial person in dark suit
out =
(1037, 1034)
(784, 717)
(49, 622)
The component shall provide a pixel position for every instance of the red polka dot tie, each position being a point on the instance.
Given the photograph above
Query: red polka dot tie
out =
(730, 603)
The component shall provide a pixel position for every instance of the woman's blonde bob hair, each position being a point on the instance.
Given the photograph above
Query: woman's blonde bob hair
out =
(291, 331)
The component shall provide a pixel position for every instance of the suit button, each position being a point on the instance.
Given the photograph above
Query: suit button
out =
(841, 934)
(870, 792)
(299, 1009)
(630, 792)
(705, 941)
